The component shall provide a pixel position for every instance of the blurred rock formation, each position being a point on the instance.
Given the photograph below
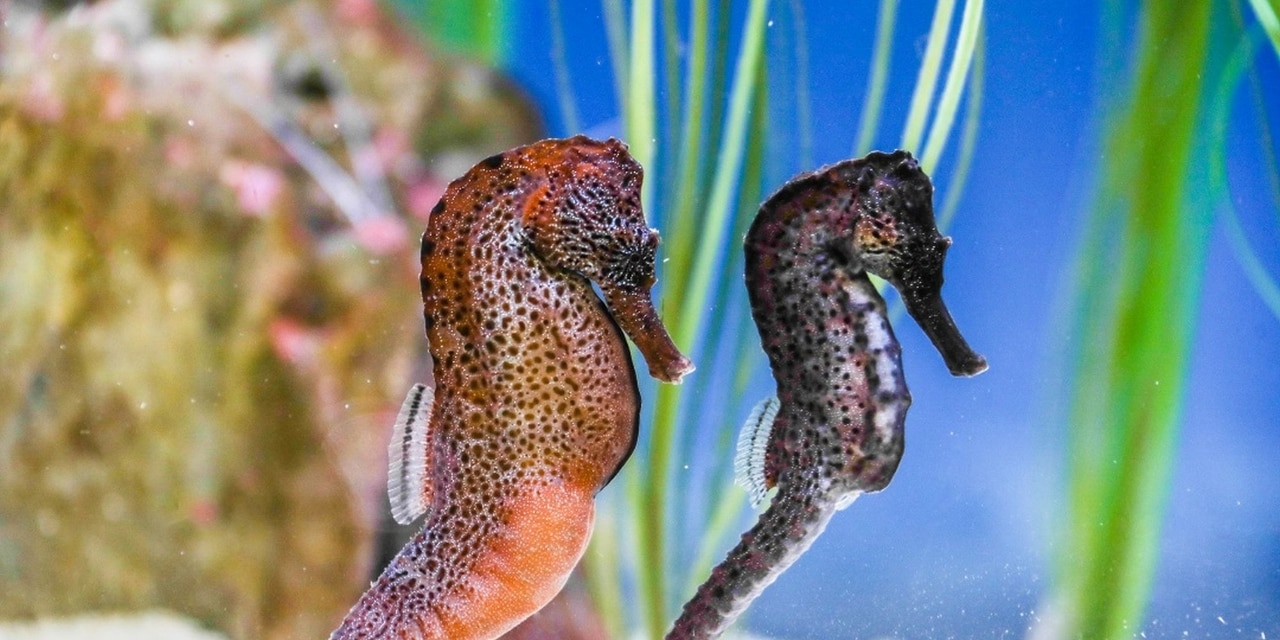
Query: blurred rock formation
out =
(209, 313)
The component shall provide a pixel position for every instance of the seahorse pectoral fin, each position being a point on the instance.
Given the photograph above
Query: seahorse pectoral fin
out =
(408, 473)
(634, 312)
(753, 441)
(930, 312)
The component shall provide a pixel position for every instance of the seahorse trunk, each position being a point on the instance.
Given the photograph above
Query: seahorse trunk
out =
(795, 518)
(512, 573)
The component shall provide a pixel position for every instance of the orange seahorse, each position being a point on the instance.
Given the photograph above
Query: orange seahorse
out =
(535, 406)
(835, 428)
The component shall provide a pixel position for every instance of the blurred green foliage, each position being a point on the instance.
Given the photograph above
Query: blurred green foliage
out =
(1140, 272)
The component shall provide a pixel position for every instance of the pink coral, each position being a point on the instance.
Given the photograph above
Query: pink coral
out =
(382, 235)
(256, 185)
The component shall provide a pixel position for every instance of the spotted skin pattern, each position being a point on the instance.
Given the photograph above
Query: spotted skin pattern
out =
(536, 405)
(838, 368)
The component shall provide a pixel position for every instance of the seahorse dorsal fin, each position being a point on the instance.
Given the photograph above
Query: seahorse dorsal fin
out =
(408, 477)
(753, 441)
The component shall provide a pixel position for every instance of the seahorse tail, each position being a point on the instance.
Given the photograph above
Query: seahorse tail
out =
(781, 535)
(509, 574)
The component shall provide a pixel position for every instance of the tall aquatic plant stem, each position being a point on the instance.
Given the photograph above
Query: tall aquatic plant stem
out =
(878, 78)
(804, 107)
(1252, 265)
(728, 169)
(1268, 17)
(967, 55)
(927, 81)
(559, 63)
(957, 74)
(743, 341)
(1271, 24)
(691, 319)
(968, 136)
(690, 197)
(690, 175)
(640, 112)
(603, 569)
(717, 86)
(671, 88)
(640, 116)
(1140, 280)
(615, 29)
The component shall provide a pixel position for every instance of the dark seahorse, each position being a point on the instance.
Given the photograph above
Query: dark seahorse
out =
(835, 428)
(535, 405)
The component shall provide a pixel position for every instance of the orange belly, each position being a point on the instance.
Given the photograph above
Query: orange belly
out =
(495, 582)
(524, 565)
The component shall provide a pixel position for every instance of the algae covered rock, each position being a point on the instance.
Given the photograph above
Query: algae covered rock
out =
(208, 301)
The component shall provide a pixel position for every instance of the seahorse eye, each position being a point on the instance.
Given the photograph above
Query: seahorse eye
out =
(635, 266)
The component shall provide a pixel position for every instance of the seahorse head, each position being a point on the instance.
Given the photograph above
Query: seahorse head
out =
(895, 237)
(589, 220)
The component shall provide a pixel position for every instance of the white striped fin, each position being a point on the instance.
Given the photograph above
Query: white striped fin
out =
(408, 480)
(753, 441)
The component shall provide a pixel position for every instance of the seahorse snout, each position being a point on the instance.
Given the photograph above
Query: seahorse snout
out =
(634, 312)
(930, 312)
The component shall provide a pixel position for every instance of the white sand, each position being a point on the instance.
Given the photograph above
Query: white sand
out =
(152, 625)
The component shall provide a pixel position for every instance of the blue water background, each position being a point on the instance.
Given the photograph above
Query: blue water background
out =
(963, 543)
